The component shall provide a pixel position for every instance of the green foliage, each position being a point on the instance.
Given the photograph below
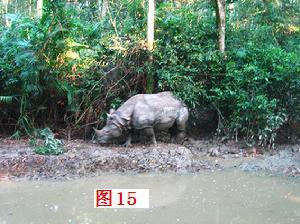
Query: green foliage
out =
(51, 145)
(256, 89)
(67, 68)
(6, 99)
(116, 102)
(185, 50)
(259, 91)
(63, 68)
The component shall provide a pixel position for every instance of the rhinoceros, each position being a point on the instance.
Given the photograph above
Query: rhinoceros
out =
(148, 113)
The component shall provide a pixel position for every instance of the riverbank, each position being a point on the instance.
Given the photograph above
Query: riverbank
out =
(81, 159)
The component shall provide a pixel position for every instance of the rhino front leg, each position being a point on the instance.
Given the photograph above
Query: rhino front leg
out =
(128, 141)
(150, 132)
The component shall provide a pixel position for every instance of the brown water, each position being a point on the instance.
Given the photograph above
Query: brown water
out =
(211, 197)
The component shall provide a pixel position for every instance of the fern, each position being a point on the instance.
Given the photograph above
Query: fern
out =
(6, 99)
(23, 44)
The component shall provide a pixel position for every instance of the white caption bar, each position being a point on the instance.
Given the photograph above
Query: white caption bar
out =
(121, 198)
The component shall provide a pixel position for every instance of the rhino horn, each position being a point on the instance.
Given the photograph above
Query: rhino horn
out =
(98, 132)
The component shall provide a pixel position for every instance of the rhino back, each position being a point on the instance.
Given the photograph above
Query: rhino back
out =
(127, 108)
(156, 110)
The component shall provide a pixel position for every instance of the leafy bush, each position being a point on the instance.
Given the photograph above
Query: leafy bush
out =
(51, 145)
(62, 68)
(256, 89)
(186, 52)
(259, 92)
(67, 68)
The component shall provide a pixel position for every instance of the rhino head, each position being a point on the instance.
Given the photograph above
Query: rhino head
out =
(111, 130)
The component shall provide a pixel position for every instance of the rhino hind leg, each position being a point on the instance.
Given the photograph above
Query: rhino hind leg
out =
(180, 134)
(177, 134)
(173, 133)
(181, 123)
(180, 137)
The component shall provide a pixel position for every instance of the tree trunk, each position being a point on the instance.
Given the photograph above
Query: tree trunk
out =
(30, 8)
(150, 25)
(221, 23)
(103, 8)
(150, 44)
(39, 8)
(5, 4)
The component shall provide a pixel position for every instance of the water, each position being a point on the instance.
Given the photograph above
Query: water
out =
(210, 197)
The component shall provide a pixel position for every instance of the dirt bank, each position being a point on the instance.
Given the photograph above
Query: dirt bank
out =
(17, 159)
(82, 159)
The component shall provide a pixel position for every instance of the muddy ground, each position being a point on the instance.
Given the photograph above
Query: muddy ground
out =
(82, 158)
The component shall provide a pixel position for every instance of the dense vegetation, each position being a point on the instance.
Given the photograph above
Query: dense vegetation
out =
(65, 69)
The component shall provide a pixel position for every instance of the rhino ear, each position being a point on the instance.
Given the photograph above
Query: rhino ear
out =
(98, 132)
(111, 111)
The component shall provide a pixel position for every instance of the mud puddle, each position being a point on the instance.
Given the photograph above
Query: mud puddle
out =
(228, 196)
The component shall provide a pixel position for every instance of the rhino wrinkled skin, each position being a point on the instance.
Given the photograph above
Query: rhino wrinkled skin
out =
(148, 113)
